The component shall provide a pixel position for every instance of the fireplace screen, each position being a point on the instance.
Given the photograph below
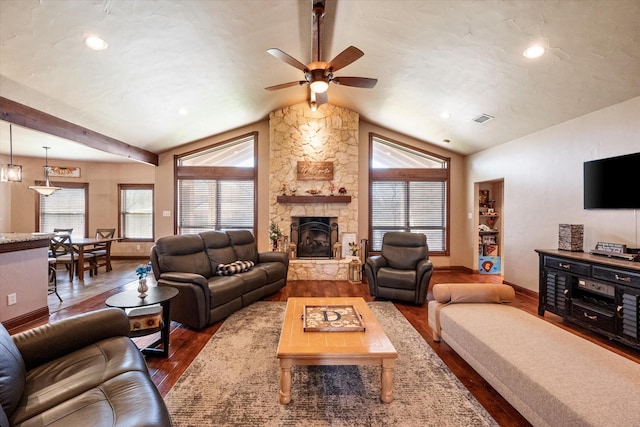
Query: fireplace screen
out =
(314, 236)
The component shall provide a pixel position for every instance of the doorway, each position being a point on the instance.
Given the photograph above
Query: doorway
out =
(489, 205)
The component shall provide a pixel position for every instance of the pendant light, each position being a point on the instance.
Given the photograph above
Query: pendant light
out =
(47, 189)
(11, 172)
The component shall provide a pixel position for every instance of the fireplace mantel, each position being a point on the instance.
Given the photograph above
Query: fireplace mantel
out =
(314, 199)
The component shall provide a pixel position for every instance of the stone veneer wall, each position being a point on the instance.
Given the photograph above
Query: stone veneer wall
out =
(328, 134)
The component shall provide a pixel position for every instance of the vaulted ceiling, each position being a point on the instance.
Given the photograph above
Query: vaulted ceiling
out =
(208, 58)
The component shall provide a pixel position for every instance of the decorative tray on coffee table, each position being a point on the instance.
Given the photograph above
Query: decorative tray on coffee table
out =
(332, 318)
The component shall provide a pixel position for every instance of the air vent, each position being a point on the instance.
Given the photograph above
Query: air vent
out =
(482, 118)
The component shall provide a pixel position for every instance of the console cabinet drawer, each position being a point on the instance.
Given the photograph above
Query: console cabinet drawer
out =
(593, 315)
(574, 267)
(617, 276)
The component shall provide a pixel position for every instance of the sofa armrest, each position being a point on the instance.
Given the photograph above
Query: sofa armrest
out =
(48, 342)
(273, 256)
(452, 293)
(376, 262)
(423, 267)
(176, 276)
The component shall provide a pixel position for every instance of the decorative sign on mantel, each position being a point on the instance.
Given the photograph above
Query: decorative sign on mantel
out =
(315, 171)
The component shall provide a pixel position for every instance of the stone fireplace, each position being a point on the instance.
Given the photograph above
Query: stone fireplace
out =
(314, 236)
(329, 134)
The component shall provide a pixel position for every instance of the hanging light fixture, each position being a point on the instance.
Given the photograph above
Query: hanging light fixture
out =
(11, 172)
(47, 189)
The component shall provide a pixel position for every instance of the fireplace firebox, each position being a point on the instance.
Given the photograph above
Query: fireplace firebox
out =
(314, 236)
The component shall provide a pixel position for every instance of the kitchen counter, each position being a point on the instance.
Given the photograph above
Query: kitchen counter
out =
(10, 242)
(24, 270)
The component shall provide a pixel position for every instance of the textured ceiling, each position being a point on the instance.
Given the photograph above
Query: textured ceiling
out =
(209, 57)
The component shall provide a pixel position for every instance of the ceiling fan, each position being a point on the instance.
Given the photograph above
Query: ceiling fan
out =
(319, 74)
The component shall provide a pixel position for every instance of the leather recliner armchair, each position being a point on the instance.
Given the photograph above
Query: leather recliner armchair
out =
(80, 371)
(402, 270)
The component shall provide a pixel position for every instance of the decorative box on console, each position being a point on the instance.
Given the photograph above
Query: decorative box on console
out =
(570, 237)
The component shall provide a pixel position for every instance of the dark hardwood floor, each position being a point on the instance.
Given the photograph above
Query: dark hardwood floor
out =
(187, 343)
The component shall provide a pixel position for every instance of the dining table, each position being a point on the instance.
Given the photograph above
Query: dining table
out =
(85, 244)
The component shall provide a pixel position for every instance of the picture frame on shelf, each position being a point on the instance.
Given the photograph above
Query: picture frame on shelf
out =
(345, 240)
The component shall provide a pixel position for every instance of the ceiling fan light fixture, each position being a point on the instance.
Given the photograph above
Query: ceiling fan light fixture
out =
(47, 189)
(319, 86)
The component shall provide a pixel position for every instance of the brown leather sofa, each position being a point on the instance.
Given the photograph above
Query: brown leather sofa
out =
(190, 262)
(402, 271)
(80, 371)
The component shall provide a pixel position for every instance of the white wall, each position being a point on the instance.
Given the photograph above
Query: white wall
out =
(543, 186)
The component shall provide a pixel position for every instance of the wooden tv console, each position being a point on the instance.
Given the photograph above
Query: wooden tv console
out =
(593, 291)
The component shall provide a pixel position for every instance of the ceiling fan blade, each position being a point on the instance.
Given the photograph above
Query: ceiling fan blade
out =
(364, 82)
(283, 85)
(287, 58)
(345, 58)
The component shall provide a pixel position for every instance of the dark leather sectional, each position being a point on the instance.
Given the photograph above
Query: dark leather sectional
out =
(80, 371)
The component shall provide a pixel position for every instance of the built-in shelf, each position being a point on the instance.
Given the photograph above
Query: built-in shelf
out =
(314, 199)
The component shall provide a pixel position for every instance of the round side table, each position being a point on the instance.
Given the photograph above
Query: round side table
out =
(155, 295)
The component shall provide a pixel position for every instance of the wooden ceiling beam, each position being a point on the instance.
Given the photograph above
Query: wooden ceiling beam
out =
(22, 115)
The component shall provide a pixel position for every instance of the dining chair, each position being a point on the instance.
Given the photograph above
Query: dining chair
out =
(63, 231)
(102, 251)
(63, 251)
(53, 279)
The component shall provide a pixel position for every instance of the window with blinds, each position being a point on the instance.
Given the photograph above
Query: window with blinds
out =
(215, 205)
(417, 207)
(216, 187)
(409, 192)
(136, 212)
(66, 208)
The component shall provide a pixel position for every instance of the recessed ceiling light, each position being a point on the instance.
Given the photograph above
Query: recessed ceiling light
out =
(95, 43)
(534, 52)
(445, 114)
(183, 112)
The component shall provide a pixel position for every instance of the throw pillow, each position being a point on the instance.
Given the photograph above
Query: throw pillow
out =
(233, 268)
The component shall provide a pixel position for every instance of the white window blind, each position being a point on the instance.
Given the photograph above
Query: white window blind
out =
(64, 209)
(414, 206)
(136, 216)
(215, 204)
(409, 192)
(216, 187)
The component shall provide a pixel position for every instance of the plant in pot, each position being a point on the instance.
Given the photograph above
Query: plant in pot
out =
(275, 234)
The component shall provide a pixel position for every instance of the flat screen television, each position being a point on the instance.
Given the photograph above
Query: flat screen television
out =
(612, 183)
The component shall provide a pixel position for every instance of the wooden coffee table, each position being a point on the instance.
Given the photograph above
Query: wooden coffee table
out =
(297, 347)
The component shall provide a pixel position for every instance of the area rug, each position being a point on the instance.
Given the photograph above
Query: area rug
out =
(234, 381)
